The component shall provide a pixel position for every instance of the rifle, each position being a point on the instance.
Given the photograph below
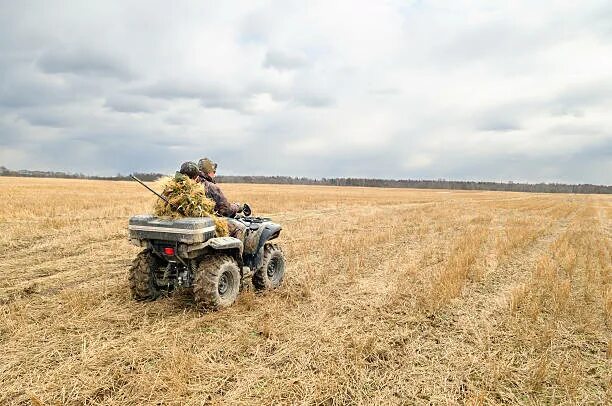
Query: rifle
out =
(175, 208)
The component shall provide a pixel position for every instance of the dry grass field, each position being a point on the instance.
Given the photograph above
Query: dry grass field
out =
(391, 297)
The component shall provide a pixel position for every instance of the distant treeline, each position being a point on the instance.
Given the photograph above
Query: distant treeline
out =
(424, 184)
(64, 175)
(388, 183)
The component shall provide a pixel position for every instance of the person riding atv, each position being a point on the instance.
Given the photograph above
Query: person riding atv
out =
(186, 253)
(205, 173)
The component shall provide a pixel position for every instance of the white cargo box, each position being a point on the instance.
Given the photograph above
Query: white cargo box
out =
(189, 230)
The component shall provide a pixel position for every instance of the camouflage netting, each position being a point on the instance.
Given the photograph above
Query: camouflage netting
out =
(189, 196)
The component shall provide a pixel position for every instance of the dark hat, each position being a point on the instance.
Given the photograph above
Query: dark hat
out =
(190, 169)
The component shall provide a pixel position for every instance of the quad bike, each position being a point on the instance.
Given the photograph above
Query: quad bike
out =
(184, 253)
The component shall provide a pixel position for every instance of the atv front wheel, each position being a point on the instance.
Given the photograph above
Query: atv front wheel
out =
(216, 283)
(142, 276)
(271, 273)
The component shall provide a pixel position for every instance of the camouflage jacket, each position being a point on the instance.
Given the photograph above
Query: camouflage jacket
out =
(213, 191)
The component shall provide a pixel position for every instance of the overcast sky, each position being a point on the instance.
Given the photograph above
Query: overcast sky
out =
(480, 90)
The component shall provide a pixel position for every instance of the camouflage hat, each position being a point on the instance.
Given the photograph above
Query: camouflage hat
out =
(190, 169)
(207, 166)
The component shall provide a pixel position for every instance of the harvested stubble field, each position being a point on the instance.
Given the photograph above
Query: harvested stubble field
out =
(391, 297)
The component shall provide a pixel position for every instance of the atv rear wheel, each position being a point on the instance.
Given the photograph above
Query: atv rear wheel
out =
(271, 273)
(142, 276)
(217, 282)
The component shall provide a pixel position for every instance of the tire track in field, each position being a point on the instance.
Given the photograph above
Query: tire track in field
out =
(55, 273)
(453, 342)
(300, 215)
(480, 331)
(378, 264)
(491, 292)
(602, 215)
(60, 243)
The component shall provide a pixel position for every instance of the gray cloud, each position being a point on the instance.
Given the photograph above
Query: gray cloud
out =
(572, 100)
(313, 99)
(172, 89)
(83, 62)
(499, 124)
(46, 119)
(284, 60)
(10, 134)
(383, 92)
(230, 98)
(462, 91)
(22, 89)
(209, 95)
(255, 26)
(578, 98)
(129, 104)
(499, 41)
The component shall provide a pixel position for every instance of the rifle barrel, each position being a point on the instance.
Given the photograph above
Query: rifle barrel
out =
(158, 195)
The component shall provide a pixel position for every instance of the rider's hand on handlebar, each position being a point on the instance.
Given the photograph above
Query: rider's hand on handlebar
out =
(246, 209)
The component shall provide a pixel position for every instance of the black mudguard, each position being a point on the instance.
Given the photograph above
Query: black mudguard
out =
(270, 232)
